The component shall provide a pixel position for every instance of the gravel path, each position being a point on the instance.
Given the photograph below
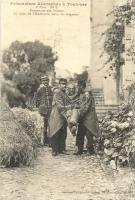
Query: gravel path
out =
(66, 177)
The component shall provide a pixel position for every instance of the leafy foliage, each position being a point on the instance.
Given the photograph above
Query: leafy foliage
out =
(83, 76)
(131, 89)
(26, 63)
(113, 43)
(13, 96)
(118, 136)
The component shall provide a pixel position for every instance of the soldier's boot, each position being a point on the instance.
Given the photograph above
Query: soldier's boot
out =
(54, 153)
(62, 148)
(90, 144)
(79, 151)
(45, 139)
(90, 150)
(54, 146)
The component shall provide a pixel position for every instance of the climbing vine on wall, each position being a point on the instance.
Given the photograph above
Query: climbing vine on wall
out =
(114, 45)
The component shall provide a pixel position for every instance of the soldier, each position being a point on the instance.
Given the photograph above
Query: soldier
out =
(88, 122)
(44, 103)
(58, 119)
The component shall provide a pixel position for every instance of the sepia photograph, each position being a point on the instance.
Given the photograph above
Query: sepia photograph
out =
(67, 103)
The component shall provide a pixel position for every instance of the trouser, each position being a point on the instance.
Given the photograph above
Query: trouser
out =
(82, 132)
(45, 138)
(58, 141)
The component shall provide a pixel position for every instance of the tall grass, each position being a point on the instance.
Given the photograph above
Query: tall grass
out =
(16, 147)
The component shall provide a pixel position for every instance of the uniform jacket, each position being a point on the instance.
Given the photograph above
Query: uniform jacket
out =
(44, 100)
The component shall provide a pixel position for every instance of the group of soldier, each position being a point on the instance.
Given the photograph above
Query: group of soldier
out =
(68, 107)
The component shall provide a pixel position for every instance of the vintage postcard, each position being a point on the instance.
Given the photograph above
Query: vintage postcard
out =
(67, 120)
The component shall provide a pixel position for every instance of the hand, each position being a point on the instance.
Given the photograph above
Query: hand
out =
(68, 113)
(76, 106)
(73, 130)
(72, 122)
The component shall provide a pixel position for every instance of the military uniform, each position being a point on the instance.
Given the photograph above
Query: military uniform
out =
(58, 121)
(44, 104)
(88, 123)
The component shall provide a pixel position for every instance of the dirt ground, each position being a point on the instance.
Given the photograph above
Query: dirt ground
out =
(66, 177)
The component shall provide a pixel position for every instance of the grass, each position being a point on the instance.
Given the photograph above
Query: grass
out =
(16, 147)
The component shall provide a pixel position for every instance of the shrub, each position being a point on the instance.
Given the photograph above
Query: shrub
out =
(118, 137)
(16, 147)
(32, 123)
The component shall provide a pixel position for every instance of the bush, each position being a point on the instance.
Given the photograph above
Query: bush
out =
(118, 137)
(16, 147)
(13, 96)
(24, 64)
(32, 123)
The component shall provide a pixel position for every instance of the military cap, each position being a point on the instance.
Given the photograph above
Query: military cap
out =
(82, 83)
(63, 80)
(71, 86)
(44, 78)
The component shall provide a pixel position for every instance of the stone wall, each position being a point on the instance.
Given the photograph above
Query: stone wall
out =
(129, 68)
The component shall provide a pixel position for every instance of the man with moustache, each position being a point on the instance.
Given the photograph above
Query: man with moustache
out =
(58, 119)
(88, 121)
(44, 97)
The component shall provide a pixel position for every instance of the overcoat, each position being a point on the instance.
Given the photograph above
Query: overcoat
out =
(57, 118)
(88, 116)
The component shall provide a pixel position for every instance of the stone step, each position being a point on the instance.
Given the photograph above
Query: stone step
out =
(96, 93)
(97, 90)
(98, 96)
(99, 101)
(107, 106)
(102, 110)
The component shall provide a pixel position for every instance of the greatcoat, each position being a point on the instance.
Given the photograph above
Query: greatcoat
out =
(57, 119)
(88, 116)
